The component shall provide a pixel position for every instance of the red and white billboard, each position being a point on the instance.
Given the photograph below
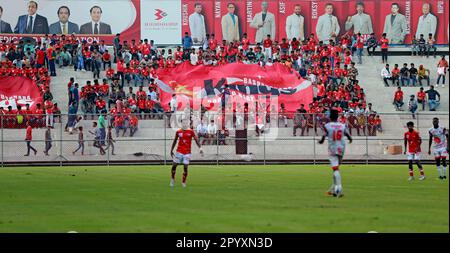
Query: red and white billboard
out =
(165, 21)
(89, 20)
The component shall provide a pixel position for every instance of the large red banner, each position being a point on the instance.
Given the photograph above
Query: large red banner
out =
(19, 91)
(204, 85)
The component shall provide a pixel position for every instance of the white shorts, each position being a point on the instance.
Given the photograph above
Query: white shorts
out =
(413, 156)
(334, 160)
(182, 159)
(440, 152)
(336, 150)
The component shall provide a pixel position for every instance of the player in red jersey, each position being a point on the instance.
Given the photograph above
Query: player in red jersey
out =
(183, 154)
(412, 142)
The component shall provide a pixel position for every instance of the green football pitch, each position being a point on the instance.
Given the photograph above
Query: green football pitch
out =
(284, 198)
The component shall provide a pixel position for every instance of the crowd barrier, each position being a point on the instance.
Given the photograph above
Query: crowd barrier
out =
(151, 144)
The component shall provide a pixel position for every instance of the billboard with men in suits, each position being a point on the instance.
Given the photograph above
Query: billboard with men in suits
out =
(165, 21)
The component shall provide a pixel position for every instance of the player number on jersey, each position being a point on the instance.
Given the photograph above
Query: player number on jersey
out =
(337, 135)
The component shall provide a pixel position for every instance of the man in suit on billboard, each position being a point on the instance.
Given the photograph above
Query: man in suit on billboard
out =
(197, 25)
(63, 26)
(264, 22)
(427, 22)
(361, 22)
(32, 23)
(95, 26)
(230, 25)
(328, 25)
(295, 25)
(4, 26)
(395, 25)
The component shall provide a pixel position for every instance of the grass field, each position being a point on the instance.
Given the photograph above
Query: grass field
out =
(220, 199)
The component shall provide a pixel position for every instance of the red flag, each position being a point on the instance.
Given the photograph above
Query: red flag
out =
(19, 91)
(195, 85)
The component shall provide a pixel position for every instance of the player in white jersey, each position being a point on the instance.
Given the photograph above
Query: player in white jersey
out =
(335, 132)
(439, 136)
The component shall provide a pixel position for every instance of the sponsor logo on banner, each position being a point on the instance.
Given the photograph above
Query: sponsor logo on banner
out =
(249, 11)
(163, 24)
(89, 39)
(314, 10)
(217, 9)
(185, 15)
(282, 7)
(408, 16)
(160, 14)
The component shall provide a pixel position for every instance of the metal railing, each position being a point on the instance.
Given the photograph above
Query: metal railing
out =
(151, 144)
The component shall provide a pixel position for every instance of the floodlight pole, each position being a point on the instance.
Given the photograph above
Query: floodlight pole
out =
(314, 148)
(60, 143)
(217, 149)
(165, 138)
(2, 138)
(108, 157)
(314, 137)
(264, 140)
(367, 141)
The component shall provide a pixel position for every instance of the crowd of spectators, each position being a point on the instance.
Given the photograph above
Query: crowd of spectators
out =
(413, 76)
(431, 97)
(329, 66)
(422, 46)
(128, 91)
(24, 59)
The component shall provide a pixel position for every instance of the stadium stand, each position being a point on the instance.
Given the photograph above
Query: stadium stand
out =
(127, 91)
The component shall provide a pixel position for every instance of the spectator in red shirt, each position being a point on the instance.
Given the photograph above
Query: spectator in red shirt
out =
(29, 138)
(48, 105)
(295, 44)
(442, 70)
(87, 54)
(110, 73)
(245, 43)
(100, 106)
(106, 58)
(40, 58)
(146, 48)
(384, 43)
(39, 116)
(377, 123)
(267, 44)
(421, 98)
(398, 99)
(103, 89)
(56, 113)
(28, 114)
(371, 124)
(119, 124)
(284, 46)
(395, 75)
(212, 43)
(353, 122)
(133, 124)
(121, 69)
(359, 47)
